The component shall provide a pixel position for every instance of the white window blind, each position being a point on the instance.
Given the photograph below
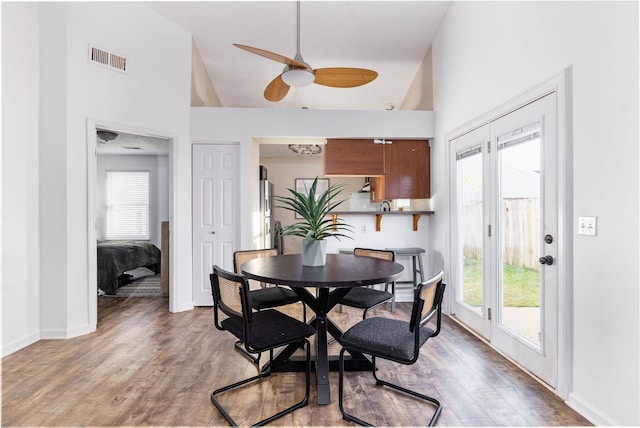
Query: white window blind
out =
(128, 205)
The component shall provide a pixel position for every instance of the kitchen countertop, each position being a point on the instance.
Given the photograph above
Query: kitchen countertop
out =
(380, 212)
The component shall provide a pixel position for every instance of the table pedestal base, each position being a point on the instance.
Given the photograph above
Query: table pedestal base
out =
(286, 362)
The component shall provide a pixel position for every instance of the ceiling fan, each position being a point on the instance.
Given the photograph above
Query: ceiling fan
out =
(298, 73)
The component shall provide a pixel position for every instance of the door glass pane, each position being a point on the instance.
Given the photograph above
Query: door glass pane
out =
(519, 168)
(470, 224)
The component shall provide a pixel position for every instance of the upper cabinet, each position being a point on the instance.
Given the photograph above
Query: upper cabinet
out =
(407, 170)
(354, 157)
(400, 169)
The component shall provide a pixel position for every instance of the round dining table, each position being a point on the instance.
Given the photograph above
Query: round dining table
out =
(332, 282)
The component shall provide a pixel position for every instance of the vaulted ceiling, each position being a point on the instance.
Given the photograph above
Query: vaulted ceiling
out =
(390, 37)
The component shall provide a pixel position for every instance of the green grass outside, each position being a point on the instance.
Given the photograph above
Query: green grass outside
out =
(521, 285)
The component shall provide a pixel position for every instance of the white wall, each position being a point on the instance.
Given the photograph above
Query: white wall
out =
(203, 94)
(154, 96)
(20, 159)
(487, 53)
(158, 189)
(241, 125)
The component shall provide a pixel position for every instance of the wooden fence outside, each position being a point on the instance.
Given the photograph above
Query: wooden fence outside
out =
(521, 232)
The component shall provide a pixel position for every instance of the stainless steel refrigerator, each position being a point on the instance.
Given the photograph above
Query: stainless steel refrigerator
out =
(266, 199)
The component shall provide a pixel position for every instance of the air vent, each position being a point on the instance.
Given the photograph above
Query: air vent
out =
(107, 59)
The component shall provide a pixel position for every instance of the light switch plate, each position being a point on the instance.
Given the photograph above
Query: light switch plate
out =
(587, 226)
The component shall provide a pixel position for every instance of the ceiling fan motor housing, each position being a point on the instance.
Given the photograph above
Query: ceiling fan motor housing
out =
(297, 76)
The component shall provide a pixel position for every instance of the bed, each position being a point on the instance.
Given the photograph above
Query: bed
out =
(117, 257)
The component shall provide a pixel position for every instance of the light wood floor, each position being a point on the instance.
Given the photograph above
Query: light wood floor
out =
(145, 366)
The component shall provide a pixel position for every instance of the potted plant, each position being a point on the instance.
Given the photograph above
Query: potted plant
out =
(314, 208)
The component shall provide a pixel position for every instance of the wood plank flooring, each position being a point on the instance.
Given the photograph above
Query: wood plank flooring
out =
(145, 366)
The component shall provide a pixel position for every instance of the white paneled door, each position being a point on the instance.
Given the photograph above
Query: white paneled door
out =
(216, 213)
(505, 234)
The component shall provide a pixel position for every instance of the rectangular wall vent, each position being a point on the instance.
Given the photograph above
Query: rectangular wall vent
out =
(107, 59)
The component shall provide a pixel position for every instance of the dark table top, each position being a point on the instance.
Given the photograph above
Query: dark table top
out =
(341, 270)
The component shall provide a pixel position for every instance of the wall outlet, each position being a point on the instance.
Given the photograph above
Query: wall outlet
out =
(363, 228)
(587, 226)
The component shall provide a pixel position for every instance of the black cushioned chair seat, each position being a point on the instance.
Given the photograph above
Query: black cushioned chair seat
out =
(269, 329)
(269, 297)
(363, 298)
(387, 338)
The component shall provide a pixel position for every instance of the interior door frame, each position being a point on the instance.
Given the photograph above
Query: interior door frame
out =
(92, 170)
(561, 85)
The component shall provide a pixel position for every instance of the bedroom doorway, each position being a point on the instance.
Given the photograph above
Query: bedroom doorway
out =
(130, 197)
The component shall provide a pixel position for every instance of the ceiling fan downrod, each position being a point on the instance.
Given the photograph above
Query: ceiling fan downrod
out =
(298, 55)
(298, 76)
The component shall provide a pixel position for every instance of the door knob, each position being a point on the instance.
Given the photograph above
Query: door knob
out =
(546, 260)
(213, 232)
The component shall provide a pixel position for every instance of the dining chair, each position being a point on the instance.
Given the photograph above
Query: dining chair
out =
(396, 340)
(259, 331)
(266, 296)
(366, 297)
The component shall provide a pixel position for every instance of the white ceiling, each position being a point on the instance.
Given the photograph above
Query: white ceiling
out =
(132, 144)
(390, 37)
(278, 147)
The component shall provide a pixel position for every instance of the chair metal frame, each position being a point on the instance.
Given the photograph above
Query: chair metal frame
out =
(421, 314)
(246, 316)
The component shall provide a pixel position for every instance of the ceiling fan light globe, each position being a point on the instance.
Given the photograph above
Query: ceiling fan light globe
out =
(298, 77)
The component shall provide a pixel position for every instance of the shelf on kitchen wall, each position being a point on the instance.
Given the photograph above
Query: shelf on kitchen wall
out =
(379, 214)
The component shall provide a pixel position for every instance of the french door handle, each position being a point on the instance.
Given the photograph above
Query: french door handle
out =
(546, 260)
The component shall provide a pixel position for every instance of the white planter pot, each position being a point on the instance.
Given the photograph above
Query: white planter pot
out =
(314, 253)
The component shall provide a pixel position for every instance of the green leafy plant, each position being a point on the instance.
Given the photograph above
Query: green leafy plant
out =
(317, 223)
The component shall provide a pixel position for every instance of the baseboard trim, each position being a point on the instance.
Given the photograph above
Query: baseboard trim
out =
(589, 412)
(60, 333)
(17, 345)
(183, 307)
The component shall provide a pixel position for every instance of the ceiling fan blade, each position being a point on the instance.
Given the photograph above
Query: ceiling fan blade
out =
(344, 77)
(276, 90)
(271, 55)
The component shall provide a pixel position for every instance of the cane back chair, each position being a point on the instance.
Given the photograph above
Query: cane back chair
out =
(266, 296)
(396, 340)
(365, 297)
(259, 332)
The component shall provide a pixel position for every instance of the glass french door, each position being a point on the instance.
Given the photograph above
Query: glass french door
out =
(470, 243)
(504, 234)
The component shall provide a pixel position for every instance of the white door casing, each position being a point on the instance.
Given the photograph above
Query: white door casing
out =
(216, 213)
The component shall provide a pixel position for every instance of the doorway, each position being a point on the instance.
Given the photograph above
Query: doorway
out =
(504, 242)
(128, 158)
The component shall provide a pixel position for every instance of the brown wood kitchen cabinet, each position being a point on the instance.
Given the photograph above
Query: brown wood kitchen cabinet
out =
(399, 169)
(355, 157)
(406, 171)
